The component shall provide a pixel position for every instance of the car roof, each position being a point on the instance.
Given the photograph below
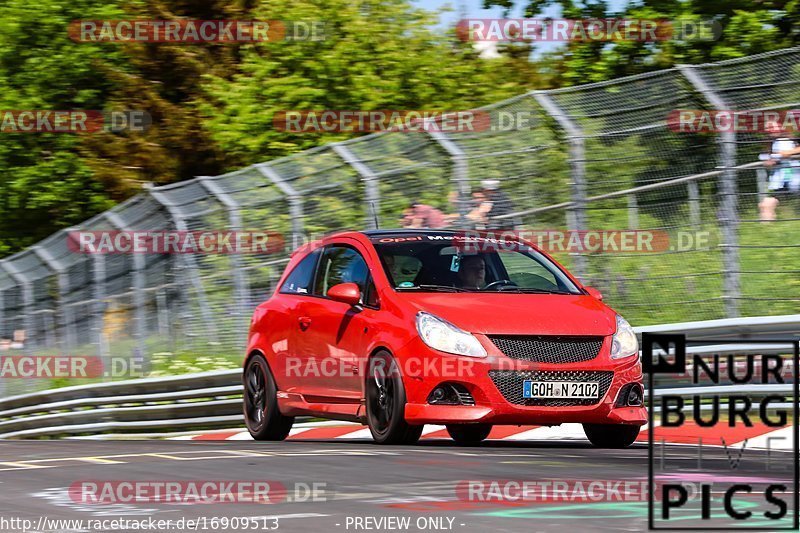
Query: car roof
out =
(407, 231)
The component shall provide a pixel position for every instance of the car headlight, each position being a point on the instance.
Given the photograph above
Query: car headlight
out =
(445, 337)
(624, 343)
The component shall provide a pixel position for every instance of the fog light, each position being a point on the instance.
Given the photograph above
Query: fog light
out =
(450, 394)
(438, 394)
(630, 395)
(635, 396)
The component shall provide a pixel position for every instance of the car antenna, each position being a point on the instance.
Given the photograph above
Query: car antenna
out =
(374, 215)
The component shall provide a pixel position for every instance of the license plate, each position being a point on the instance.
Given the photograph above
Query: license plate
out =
(576, 390)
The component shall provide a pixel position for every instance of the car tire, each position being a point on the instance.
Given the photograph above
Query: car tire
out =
(469, 434)
(386, 401)
(611, 435)
(264, 419)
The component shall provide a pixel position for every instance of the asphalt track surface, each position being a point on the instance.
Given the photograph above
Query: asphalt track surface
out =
(362, 481)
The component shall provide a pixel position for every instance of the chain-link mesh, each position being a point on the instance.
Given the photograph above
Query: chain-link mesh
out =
(767, 266)
(594, 157)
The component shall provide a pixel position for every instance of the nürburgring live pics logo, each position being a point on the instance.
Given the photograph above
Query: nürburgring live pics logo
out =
(734, 492)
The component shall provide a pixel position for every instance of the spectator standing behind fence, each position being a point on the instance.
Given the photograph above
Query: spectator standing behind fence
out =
(478, 215)
(499, 204)
(783, 172)
(419, 215)
(476, 210)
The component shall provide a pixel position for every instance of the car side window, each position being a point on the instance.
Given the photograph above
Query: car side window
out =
(342, 264)
(300, 279)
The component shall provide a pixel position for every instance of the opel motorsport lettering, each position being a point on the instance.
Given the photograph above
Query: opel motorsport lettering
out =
(394, 309)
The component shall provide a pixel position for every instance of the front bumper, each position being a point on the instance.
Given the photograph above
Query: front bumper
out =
(492, 407)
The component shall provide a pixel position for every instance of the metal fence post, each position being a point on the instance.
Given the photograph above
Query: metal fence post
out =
(98, 307)
(728, 214)
(460, 172)
(239, 275)
(162, 310)
(188, 262)
(693, 189)
(577, 160)
(371, 184)
(295, 202)
(761, 183)
(633, 211)
(137, 288)
(65, 312)
(27, 301)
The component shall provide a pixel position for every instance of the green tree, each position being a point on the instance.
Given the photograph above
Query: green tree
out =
(377, 54)
(45, 183)
(50, 180)
(748, 27)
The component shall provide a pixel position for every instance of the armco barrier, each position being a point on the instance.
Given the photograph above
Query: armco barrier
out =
(213, 399)
(192, 401)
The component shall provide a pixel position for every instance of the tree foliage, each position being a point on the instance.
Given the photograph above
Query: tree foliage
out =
(377, 54)
(211, 104)
(748, 27)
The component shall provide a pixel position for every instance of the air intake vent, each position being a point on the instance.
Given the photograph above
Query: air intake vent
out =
(548, 349)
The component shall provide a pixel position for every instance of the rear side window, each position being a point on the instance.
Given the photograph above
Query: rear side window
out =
(299, 281)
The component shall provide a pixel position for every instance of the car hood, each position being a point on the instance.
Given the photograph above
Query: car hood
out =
(518, 314)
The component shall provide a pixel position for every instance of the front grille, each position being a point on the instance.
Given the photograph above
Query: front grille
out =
(548, 349)
(509, 383)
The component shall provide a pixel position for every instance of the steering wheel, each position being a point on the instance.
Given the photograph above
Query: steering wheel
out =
(500, 283)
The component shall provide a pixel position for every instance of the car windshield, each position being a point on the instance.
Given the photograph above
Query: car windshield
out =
(455, 263)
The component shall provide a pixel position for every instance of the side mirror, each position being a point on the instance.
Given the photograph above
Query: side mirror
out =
(594, 293)
(347, 293)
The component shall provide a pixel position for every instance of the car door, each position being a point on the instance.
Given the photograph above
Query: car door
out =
(288, 364)
(335, 334)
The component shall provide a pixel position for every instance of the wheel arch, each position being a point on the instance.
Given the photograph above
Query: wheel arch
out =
(258, 351)
(253, 352)
(375, 350)
(380, 348)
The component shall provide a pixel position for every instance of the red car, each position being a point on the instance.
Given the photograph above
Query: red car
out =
(400, 328)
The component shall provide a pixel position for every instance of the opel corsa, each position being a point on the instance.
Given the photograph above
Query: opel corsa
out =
(396, 329)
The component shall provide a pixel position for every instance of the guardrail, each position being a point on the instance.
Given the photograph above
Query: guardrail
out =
(211, 400)
(756, 327)
(193, 401)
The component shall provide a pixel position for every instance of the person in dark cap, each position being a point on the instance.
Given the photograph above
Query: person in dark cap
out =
(500, 204)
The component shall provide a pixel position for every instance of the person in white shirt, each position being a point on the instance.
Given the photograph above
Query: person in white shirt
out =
(784, 172)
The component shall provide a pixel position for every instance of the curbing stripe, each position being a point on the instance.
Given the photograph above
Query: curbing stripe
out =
(757, 436)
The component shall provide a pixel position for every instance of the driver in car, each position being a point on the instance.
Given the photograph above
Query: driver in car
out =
(472, 273)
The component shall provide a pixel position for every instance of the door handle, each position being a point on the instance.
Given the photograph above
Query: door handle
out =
(304, 322)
